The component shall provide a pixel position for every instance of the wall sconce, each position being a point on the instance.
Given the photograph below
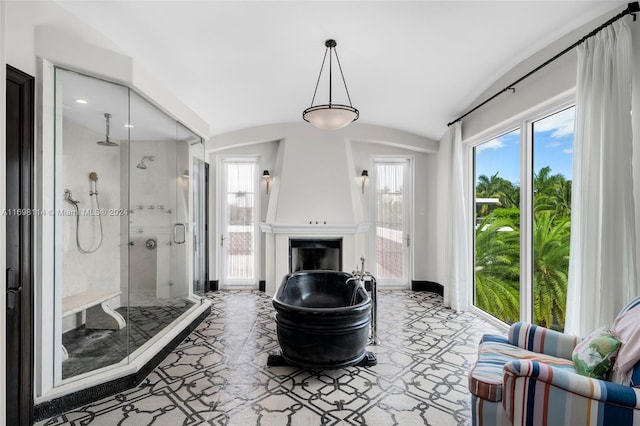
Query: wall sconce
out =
(267, 178)
(364, 175)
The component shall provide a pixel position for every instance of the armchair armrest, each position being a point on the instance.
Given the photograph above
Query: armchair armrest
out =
(493, 338)
(535, 393)
(542, 340)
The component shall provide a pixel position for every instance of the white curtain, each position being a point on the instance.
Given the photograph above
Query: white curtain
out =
(458, 258)
(240, 221)
(390, 226)
(602, 272)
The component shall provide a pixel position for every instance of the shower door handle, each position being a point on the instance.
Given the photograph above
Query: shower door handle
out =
(175, 233)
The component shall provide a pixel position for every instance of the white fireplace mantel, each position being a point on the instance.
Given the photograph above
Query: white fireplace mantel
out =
(314, 229)
(277, 241)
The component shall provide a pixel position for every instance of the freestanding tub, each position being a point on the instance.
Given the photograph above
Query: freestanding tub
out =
(322, 321)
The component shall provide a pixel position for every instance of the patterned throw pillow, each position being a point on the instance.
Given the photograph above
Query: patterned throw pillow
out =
(594, 356)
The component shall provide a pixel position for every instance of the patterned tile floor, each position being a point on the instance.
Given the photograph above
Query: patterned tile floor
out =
(219, 376)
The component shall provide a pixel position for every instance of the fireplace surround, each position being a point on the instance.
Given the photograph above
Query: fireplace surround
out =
(277, 250)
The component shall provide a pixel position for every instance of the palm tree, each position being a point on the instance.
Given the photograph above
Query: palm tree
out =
(552, 192)
(551, 236)
(497, 273)
(497, 249)
(497, 187)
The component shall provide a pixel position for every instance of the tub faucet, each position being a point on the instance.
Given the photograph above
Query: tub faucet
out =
(360, 275)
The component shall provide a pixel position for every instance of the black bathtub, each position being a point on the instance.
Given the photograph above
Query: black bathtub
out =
(322, 321)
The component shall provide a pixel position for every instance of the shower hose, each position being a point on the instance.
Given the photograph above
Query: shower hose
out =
(80, 248)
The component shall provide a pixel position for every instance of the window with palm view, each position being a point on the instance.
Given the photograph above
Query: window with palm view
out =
(521, 268)
(497, 226)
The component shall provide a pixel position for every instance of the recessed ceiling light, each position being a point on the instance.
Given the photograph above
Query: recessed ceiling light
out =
(81, 101)
(128, 125)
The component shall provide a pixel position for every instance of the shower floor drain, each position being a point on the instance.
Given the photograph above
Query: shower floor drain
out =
(99, 335)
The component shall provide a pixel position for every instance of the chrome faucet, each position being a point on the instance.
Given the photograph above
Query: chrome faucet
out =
(69, 197)
(360, 276)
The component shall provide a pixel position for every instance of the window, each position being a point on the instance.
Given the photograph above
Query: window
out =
(497, 226)
(239, 213)
(522, 186)
(552, 139)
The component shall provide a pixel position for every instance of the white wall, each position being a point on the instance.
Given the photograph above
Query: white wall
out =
(267, 153)
(554, 82)
(316, 177)
(551, 81)
(22, 19)
(45, 29)
(424, 207)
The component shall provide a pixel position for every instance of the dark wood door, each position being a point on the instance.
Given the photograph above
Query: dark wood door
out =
(19, 221)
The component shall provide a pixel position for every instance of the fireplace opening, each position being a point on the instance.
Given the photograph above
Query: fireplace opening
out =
(312, 254)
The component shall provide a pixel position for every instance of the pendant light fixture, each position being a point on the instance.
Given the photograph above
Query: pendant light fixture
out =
(330, 116)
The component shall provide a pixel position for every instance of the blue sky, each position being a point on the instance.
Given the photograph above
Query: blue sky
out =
(552, 146)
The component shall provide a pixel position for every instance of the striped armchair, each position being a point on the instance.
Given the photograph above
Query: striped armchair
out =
(528, 378)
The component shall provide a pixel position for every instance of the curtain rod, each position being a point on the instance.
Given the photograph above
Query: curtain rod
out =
(632, 9)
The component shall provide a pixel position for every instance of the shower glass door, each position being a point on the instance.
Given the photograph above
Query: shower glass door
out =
(160, 230)
(90, 224)
(128, 232)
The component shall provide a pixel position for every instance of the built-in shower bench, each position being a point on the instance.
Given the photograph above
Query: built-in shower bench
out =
(99, 315)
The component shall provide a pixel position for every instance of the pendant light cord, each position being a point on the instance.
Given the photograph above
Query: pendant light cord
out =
(343, 80)
(319, 75)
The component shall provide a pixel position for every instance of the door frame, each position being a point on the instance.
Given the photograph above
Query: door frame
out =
(408, 217)
(221, 162)
(23, 141)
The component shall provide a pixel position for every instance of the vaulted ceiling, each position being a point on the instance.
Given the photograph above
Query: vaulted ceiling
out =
(412, 65)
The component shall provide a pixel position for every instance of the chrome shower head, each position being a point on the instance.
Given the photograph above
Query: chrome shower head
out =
(107, 141)
(142, 165)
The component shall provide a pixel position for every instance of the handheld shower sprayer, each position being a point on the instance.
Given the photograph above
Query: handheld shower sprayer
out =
(68, 196)
(93, 177)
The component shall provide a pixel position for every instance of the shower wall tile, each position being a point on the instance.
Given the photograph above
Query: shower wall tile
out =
(98, 271)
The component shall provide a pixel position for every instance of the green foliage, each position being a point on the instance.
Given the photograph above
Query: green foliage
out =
(497, 187)
(497, 249)
(498, 267)
(551, 236)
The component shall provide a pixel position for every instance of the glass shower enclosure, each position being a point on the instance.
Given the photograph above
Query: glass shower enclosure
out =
(129, 191)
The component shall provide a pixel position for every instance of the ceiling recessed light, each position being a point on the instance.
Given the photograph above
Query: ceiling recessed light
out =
(128, 125)
(81, 101)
